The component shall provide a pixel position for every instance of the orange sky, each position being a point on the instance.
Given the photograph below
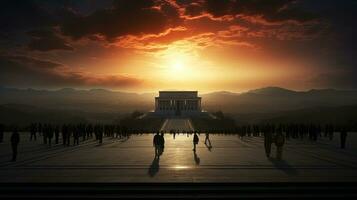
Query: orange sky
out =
(146, 46)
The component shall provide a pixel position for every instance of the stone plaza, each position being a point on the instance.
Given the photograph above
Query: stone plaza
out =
(228, 159)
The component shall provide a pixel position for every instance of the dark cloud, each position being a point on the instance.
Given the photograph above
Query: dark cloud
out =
(336, 79)
(219, 8)
(29, 62)
(271, 10)
(22, 71)
(47, 40)
(125, 18)
(15, 16)
(194, 9)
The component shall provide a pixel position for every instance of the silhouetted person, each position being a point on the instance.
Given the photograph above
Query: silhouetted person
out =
(1, 133)
(15, 139)
(33, 130)
(268, 140)
(44, 133)
(49, 134)
(76, 136)
(343, 137)
(100, 136)
(156, 144)
(64, 134)
(161, 143)
(57, 131)
(195, 141)
(279, 142)
(207, 140)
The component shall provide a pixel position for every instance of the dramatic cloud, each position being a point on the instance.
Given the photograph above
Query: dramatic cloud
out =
(23, 71)
(47, 40)
(125, 18)
(97, 42)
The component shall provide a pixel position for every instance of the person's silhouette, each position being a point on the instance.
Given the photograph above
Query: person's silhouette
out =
(15, 139)
(57, 131)
(33, 131)
(268, 140)
(156, 144)
(1, 133)
(343, 136)
(279, 142)
(207, 140)
(50, 134)
(195, 141)
(161, 143)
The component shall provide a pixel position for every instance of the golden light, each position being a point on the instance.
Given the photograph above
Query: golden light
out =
(178, 65)
(180, 167)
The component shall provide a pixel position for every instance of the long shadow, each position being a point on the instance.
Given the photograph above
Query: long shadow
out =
(209, 147)
(154, 167)
(284, 166)
(196, 158)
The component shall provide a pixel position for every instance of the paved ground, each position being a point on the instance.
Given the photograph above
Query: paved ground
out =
(177, 124)
(230, 159)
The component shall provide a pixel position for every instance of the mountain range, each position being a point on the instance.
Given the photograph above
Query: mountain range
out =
(254, 105)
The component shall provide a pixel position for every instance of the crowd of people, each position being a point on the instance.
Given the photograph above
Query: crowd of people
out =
(75, 131)
(272, 133)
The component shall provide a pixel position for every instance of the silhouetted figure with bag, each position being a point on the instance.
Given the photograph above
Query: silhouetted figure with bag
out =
(195, 141)
(343, 136)
(15, 139)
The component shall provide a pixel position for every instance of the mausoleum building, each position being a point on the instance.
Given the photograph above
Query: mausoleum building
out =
(177, 103)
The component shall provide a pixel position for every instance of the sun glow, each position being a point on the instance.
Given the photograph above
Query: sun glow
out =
(177, 65)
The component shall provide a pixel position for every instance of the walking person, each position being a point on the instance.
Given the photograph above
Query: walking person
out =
(343, 136)
(49, 134)
(1, 133)
(195, 141)
(33, 130)
(156, 144)
(15, 139)
(161, 143)
(279, 142)
(207, 139)
(268, 140)
(57, 131)
(44, 130)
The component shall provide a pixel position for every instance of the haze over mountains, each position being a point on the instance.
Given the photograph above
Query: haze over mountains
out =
(21, 105)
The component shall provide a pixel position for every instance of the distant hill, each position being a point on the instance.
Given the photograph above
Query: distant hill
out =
(335, 115)
(94, 100)
(275, 99)
(99, 104)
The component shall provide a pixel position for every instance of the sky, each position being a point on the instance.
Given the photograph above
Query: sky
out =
(205, 45)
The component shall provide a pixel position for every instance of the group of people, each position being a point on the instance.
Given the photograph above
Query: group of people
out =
(290, 130)
(273, 134)
(278, 139)
(66, 132)
(76, 131)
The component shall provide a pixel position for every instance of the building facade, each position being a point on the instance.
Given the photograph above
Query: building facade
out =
(178, 103)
